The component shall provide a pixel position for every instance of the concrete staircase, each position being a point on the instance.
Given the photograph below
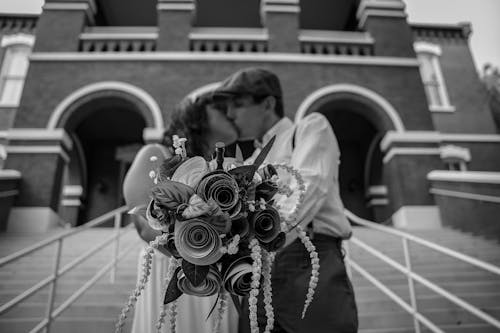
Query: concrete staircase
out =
(96, 311)
(379, 314)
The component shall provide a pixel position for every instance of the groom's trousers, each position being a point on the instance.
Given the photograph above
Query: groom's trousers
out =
(333, 309)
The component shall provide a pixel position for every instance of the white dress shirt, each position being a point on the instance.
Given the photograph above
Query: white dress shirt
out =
(316, 155)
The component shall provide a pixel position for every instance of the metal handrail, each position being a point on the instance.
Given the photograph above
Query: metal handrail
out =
(92, 223)
(406, 269)
(57, 272)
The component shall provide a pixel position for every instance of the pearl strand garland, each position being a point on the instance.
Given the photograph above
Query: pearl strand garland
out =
(232, 247)
(313, 281)
(287, 223)
(172, 313)
(172, 266)
(256, 272)
(146, 271)
(268, 291)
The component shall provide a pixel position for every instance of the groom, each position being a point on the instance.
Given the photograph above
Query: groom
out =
(255, 105)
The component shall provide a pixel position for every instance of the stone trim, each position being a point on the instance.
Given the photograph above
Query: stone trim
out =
(465, 195)
(237, 34)
(410, 151)
(42, 135)
(379, 13)
(378, 202)
(137, 92)
(281, 9)
(226, 57)
(357, 90)
(71, 202)
(72, 190)
(17, 39)
(176, 6)
(376, 190)
(38, 150)
(327, 36)
(152, 135)
(417, 217)
(483, 177)
(10, 174)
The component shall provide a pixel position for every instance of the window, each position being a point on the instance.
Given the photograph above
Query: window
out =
(432, 77)
(14, 67)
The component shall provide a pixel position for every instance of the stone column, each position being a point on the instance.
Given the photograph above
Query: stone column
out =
(281, 18)
(61, 23)
(408, 158)
(386, 21)
(40, 155)
(174, 24)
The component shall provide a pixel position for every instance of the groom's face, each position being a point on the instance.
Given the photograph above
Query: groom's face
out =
(246, 114)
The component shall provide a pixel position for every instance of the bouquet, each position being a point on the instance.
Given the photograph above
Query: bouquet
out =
(222, 227)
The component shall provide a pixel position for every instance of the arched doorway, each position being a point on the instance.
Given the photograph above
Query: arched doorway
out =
(106, 123)
(359, 118)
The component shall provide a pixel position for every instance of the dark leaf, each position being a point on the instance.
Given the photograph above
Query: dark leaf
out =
(266, 190)
(196, 274)
(263, 154)
(173, 291)
(243, 173)
(276, 243)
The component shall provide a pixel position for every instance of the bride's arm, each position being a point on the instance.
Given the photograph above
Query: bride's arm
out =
(138, 183)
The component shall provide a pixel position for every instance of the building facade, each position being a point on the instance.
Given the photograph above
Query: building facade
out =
(86, 83)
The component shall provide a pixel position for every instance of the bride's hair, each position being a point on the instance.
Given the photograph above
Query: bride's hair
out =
(189, 120)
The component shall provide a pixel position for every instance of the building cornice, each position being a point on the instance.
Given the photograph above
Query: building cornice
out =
(482, 177)
(41, 135)
(225, 57)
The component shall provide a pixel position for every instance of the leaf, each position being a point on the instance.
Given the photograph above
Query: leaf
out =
(244, 172)
(213, 306)
(173, 292)
(172, 194)
(196, 274)
(263, 154)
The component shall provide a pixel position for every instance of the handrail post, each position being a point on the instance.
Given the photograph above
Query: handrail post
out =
(118, 220)
(411, 286)
(53, 285)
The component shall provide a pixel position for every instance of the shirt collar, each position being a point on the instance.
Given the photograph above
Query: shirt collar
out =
(282, 125)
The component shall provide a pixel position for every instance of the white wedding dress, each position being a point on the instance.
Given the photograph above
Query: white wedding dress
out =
(191, 311)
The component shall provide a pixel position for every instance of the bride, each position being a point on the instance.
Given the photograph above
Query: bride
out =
(203, 125)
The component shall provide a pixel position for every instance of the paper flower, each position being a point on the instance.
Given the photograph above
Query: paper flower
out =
(238, 276)
(265, 224)
(197, 242)
(222, 188)
(208, 287)
(191, 171)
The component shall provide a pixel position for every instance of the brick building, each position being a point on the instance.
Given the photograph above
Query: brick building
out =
(418, 141)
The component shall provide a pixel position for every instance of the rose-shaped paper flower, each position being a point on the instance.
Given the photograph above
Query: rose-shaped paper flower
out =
(197, 242)
(157, 219)
(191, 171)
(238, 276)
(208, 287)
(266, 190)
(220, 187)
(265, 224)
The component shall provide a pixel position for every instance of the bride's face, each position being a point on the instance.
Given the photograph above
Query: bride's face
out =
(221, 128)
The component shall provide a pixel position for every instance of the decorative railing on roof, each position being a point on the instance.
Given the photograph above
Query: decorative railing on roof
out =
(118, 39)
(228, 40)
(13, 23)
(441, 31)
(336, 42)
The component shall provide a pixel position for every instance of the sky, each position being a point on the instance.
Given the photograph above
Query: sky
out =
(483, 14)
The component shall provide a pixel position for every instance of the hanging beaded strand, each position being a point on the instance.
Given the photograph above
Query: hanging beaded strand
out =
(290, 223)
(172, 266)
(254, 292)
(268, 259)
(146, 271)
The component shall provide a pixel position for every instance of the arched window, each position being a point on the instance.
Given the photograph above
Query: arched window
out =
(14, 67)
(437, 97)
